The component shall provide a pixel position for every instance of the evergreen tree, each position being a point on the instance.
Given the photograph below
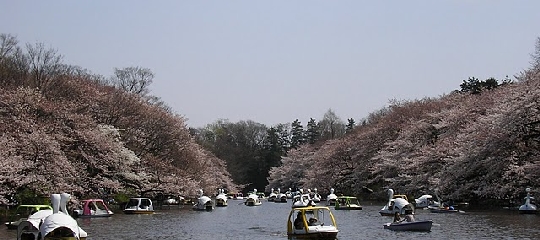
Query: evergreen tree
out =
(312, 132)
(350, 125)
(297, 134)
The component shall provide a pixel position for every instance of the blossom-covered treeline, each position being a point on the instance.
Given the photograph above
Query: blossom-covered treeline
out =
(472, 147)
(64, 129)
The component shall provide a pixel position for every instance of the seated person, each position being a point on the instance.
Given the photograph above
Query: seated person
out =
(409, 217)
(299, 221)
(312, 222)
(397, 218)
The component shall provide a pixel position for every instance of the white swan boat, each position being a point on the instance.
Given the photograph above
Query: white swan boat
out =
(316, 222)
(253, 199)
(314, 195)
(273, 195)
(528, 207)
(54, 224)
(426, 201)
(396, 203)
(281, 197)
(331, 198)
(204, 203)
(139, 206)
(302, 200)
(221, 198)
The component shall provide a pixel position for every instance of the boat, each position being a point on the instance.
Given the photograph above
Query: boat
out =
(396, 203)
(235, 196)
(22, 212)
(528, 207)
(315, 222)
(419, 226)
(302, 200)
(447, 209)
(139, 206)
(253, 199)
(204, 203)
(221, 198)
(331, 198)
(55, 224)
(426, 201)
(273, 195)
(314, 195)
(347, 203)
(281, 197)
(93, 208)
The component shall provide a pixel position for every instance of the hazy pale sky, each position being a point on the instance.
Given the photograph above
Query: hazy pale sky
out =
(276, 61)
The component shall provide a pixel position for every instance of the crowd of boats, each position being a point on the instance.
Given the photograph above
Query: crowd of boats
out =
(310, 214)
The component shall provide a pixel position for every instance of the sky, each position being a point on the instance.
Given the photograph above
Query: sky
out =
(276, 61)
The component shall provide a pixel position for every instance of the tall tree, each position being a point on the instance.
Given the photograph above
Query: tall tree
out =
(331, 126)
(312, 131)
(350, 125)
(133, 80)
(297, 134)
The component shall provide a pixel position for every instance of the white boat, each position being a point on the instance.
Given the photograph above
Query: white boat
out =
(331, 198)
(139, 206)
(93, 208)
(528, 207)
(22, 212)
(221, 198)
(314, 195)
(396, 203)
(289, 193)
(316, 222)
(253, 199)
(302, 200)
(204, 203)
(273, 195)
(426, 201)
(347, 203)
(54, 224)
(281, 197)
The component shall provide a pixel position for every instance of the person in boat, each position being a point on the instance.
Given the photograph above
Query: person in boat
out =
(397, 217)
(312, 221)
(299, 221)
(409, 217)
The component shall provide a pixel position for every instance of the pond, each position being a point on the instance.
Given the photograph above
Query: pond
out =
(268, 221)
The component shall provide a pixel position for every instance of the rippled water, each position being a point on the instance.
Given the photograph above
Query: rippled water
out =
(268, 221)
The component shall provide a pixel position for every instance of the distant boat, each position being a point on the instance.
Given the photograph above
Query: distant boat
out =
(204, 203)
(331, 198)
(253, 199)
(302, 200)
(426, 201)
(139, 206)
(93, 208)
(347, 203)
(528, 207)
(418, 226)
(221, 198)
(396, 203)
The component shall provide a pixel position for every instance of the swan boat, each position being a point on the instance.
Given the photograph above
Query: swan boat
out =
(281, 197)
(221, 198)
(426, 201)
(396, 203)
(528, 207)
(55, 224)
(418, 226)
(204, 203)
(93, 208)
(302, 200)
(331, 198)
(315, 222)
(314, 195)
(24, 210)
(139, 206)
(253, 199)
(347, 203)
(273, 195)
